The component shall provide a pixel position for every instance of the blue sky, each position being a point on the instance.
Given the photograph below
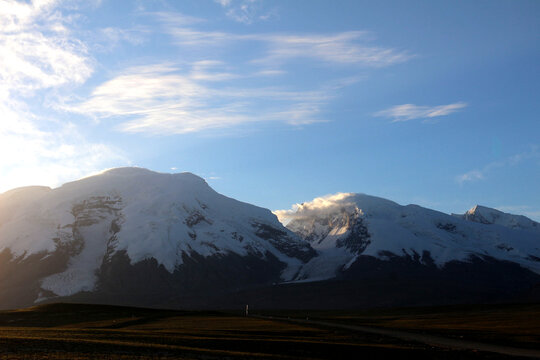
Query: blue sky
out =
(277, 102)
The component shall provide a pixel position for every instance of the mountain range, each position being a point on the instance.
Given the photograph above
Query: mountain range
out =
(131, 236)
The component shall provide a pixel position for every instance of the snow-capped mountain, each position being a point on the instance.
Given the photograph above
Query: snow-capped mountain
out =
(172, 219)
(345, 226)
(131, 236)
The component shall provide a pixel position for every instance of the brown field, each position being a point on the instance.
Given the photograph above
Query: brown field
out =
(516, 325)
(71, 331)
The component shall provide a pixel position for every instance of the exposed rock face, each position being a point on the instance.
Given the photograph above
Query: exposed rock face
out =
(280, 239)
(358, 237)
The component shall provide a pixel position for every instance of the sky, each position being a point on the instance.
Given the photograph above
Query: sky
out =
(274, 103)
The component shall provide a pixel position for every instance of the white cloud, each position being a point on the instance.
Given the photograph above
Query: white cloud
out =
(174, 18)
(224, 3)
(481, 173)
(36, 50)
(161, 99)
(408, 112)
(110, 37)
(470, 176)
(318, 207)
(37, 53)
(244, 11)
(170, 99)
(191, 37)
(33, 156)
(340, 48)
(346, 48)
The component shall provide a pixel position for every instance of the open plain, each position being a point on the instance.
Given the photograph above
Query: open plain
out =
(75, 331)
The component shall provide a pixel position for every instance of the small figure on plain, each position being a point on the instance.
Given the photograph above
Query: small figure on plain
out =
(247, 310)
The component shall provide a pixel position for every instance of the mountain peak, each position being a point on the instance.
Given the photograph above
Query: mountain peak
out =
(129, 171)
(136, 179)
(480, 208)
(486, 215)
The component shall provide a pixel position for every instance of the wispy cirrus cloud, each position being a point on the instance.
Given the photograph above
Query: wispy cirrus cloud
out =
(408, 112)
(39, 53)
(36, 49)
(109, 38)
(472, 175)
(162, 99)
(204, 93)
(481, 173)
(350, 47)
(171, 18)
(345, 48)
(245, 11)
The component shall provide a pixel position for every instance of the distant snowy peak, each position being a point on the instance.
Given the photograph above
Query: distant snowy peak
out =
(486, 215)
(343, 226)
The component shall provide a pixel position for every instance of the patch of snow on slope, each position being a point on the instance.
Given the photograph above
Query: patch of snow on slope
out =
(81, 272)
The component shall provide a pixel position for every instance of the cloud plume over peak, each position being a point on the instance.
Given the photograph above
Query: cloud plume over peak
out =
(318, 207)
